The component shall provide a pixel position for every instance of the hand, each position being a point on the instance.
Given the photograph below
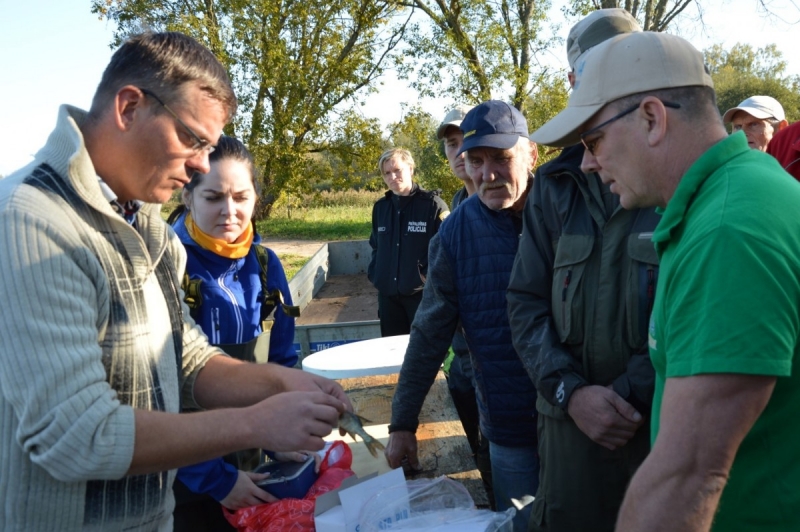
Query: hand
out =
(604, 416)
(299, 380)
(402, 447)
(245, 492)
(299, 456)
(293, 420)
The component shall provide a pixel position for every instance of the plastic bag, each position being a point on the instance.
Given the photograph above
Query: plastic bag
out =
(430, 504)
(296, 515)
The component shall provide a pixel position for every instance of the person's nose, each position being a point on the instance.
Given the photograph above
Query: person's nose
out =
(199, 162)
(228, 206)
(589, 163)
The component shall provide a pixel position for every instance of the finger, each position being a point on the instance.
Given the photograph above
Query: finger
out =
(259, 496)
(625, 409)
(256, 477)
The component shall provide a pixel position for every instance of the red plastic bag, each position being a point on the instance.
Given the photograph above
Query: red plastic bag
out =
(296, 515)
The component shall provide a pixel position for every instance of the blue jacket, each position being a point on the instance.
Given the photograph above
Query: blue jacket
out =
(470, 265)
(231, 314)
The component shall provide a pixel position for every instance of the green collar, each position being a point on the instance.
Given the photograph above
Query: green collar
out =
(712, 160)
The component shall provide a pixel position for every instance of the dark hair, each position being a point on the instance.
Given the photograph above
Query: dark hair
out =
(163, 63)
(226, 148)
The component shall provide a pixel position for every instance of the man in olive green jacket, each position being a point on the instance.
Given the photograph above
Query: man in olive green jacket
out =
(579, 298)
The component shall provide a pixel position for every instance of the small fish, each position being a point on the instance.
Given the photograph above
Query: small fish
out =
(353, 424)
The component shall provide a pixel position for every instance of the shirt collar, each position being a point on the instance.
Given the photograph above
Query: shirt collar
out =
(127, 210)
(707, 164)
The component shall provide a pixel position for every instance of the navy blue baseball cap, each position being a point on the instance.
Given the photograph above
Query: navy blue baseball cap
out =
(493, 124)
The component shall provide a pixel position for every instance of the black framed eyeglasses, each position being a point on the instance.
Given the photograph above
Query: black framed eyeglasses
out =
(590, 145)
(200, 144)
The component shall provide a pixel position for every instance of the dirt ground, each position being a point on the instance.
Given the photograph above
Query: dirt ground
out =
(304, 248)
(343, 298)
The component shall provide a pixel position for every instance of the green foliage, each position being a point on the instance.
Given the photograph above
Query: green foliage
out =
(471, 49)
(417, 133)
(742, 72)
(549, 98)
(297, 68)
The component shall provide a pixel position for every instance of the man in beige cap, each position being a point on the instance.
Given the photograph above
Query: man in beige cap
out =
(760, 117)
(723, 336)
(579, 301)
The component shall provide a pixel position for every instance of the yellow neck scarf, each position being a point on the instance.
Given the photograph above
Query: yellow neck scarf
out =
(235, 250)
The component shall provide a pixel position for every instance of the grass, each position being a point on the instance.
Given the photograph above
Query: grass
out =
(326, 216)
(319, 223)
(292, 263)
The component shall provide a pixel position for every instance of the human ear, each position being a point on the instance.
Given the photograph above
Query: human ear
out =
(654, 116)
(534, 155)
(127, 102)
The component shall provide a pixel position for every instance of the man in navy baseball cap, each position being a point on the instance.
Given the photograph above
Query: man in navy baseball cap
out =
(493, 124)
(500, 156)
(470, 260)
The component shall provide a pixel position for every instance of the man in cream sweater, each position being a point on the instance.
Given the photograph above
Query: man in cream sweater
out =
(99, 353)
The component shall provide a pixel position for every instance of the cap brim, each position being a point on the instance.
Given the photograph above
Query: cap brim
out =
(443, 128)
(502, 141)
(562, 129)
(755, 113)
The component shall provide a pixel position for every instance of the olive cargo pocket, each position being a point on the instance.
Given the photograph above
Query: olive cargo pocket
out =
(640, 289)
(567, 298)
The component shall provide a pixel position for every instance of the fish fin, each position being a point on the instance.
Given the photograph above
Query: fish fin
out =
(373, 445)
(362, 419)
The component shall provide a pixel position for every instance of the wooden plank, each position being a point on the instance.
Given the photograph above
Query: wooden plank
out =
(443, 447)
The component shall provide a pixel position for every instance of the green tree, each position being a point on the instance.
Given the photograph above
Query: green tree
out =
(298, 67)
(549, 98)
(742, 72)
(472, 49)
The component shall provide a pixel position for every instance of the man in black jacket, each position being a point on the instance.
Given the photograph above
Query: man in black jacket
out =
(580, 297)
(403, 223)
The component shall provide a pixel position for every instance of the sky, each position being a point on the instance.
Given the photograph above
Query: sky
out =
(54, 52)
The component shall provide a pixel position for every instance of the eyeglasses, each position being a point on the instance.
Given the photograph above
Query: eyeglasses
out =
(200, 144)
(590, 145)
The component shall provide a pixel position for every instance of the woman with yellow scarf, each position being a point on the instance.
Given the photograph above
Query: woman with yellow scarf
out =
(227, 294)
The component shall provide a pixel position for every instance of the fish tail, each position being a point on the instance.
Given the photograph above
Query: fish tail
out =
(373, 445)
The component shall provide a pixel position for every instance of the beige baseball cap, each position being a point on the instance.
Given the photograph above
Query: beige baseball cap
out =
(598, 26)
(760, 107)
(453, 118)
(625, 65)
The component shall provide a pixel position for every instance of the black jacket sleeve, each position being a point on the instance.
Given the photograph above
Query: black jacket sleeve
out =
(431, 335)
(638, 382)
(553, 369)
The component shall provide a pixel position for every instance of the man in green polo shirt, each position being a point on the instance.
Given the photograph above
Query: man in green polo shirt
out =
(725, 329)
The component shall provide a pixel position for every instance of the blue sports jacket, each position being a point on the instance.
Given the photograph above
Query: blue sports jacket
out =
(231, 314)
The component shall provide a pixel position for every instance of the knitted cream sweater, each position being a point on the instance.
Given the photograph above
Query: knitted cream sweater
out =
(92, 327)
